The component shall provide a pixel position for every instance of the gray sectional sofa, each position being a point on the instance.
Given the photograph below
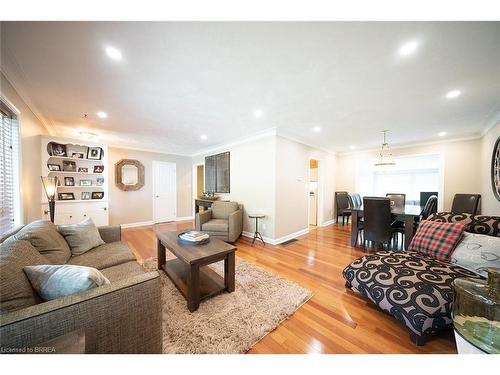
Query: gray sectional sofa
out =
(121, 317)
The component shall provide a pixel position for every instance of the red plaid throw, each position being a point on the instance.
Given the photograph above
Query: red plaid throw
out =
(436, 239)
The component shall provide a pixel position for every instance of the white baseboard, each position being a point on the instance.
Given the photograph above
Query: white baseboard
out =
(277, 241)
(151, 222)
(327, 223)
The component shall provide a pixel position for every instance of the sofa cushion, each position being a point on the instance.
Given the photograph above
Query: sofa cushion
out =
(480, 224)
(122, 271)
(57, 281)
(43, 235)
(216, 225)
(414, 288)
(222, 210)
(104, 256)
(81, 237)
(437, 239)
(15, 289)
(477, 253)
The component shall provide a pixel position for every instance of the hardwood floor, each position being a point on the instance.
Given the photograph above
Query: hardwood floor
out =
(335, 320)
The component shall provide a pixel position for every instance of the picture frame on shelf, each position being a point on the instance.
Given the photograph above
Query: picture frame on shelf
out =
(94, 153)
(69, 181)
(86, 195)
(83, 170)
(100, 181)
(85, 182)
(69, 166)
(57, 149)
(66, 196)
(98, 168)
(97, 194)
(78, 155)
(54, 167)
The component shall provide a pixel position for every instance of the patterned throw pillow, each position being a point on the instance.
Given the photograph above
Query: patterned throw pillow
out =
(436, 239)
(477, 253)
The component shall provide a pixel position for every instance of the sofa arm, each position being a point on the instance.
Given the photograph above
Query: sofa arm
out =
(110, 233)
(235, 225)
(201, 218)
(122, 317)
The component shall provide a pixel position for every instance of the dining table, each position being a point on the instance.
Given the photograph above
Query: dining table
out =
(409, 215)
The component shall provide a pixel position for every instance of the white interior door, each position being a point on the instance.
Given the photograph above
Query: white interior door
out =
(164, 191)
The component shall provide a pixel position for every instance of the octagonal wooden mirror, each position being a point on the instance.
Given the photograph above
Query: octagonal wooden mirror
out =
(129, 174)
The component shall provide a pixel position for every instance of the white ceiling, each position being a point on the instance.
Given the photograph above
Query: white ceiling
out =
(178, 80)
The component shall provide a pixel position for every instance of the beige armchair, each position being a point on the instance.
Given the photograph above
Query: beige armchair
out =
(223, 220)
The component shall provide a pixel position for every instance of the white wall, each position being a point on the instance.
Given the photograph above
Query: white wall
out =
(126, 207)
(252, 169)
(490, 205)
(292, 186)
(461, 161)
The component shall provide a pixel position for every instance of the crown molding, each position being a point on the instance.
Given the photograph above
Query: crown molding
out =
(493, 120)
(297, 140)
(15, 75)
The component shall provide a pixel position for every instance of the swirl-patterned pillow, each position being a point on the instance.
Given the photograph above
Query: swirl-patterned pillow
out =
(480, 224)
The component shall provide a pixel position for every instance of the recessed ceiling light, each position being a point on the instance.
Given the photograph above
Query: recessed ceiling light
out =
(258, 113)
(352, 147)
(113, 53)
(102, 114)
(203, 137)
(316, 129)
(442, 134)
(453, 94)
(408, 48)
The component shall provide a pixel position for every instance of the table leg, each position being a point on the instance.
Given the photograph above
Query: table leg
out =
(161, 254)
(409, 220)
(229, 272)
(193, 288)
(354, 228)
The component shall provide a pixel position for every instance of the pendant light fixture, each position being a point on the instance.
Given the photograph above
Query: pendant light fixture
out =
(385, 159)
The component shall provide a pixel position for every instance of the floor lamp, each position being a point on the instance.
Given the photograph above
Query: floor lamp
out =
(50, 187)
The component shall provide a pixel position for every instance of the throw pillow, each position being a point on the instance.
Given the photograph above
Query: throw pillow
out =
(56, 281)
(15, 289)
(81, 237)
(477, 253)
(44, 237)
(437, 239)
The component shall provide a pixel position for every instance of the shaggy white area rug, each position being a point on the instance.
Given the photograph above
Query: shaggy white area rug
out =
(229, 323)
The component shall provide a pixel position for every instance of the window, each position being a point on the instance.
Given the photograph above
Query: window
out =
(10, 209)
(411, 175)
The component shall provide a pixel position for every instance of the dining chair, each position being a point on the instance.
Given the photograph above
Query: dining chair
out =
(377, 220)
(466, 203)
(342, 202)
(430, 207)
(355, 200)
(398, 200)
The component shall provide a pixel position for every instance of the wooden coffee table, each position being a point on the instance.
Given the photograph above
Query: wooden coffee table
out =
(190, 272)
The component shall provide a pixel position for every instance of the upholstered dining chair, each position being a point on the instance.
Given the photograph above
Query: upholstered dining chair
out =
(398, 200)
(466, 203)
(430, 207)
(355, 200)
(224, 220)
(377, 220)
(342, 202)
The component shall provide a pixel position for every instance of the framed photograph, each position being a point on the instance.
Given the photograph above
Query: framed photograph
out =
(56, 149)
(78, 155)
(98, 168)
(86, 195)
(54, 167)
(69, 166)
(66, 196)
(97, 194)
(83, 170)
(69, 181)
(85, 182)
(99, 181)
(94, 153)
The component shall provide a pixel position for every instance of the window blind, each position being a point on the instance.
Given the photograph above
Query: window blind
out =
(9, 170)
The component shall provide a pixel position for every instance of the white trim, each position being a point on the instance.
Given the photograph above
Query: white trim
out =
(138, 224)
(296, 140)
(277, 241)
(494, 120)
(259, 135)
(150, 150)
(327, 223)
(184, 218)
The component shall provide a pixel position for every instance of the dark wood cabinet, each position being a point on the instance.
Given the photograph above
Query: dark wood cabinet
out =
(217, 173)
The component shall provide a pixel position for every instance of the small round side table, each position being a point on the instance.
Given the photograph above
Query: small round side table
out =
(257, 233)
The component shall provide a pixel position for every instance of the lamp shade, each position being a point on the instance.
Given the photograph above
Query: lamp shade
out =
(50, 187)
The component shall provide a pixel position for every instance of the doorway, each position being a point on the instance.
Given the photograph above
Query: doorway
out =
(313, 193)
(198, 185)
(164, 191)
